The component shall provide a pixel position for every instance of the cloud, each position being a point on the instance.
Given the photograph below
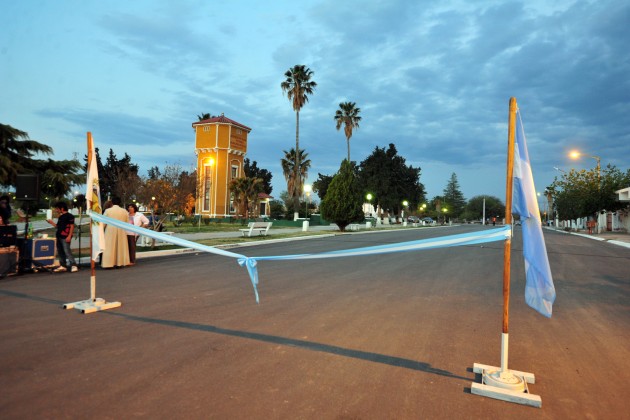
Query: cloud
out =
(432, 78)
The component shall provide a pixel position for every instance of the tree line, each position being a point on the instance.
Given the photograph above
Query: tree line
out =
(584, 193)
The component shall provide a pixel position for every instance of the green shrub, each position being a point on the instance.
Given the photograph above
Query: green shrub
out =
(343, 201)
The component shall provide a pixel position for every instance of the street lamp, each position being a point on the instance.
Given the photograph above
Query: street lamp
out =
(369, 197)
(307, 191)
(445, 210)
(576, 155)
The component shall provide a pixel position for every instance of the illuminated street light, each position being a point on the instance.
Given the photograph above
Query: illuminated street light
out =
(307, 191)
(576, 155)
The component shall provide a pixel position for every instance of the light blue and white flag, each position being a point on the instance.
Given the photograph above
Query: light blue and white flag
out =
(539, 290)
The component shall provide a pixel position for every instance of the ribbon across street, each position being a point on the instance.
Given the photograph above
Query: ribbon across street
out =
(473, 238)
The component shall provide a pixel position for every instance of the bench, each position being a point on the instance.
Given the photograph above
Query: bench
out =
(354, 226)
(147, 241)
(261, 227)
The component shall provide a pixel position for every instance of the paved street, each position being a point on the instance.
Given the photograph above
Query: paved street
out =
(392, 336)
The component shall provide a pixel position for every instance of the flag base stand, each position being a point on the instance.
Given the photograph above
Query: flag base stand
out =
(92, 305)
(508, 386)
(503, 383)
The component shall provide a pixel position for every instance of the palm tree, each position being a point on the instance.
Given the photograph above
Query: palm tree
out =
(245, 190)
(291, 167)
(253, 186)
(204, 116)
(348, 116)
(16, 152)
(298, 85)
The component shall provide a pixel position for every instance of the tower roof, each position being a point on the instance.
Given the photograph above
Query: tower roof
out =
(222, 119)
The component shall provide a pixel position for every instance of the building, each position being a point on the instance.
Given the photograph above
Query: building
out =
(220, 146)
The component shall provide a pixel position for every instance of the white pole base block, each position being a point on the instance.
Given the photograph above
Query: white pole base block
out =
(508, 386)
(89, 306)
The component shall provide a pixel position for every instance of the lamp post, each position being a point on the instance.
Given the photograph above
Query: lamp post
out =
(307, 191)
(445, 210)
(369, 197)
(576, 155)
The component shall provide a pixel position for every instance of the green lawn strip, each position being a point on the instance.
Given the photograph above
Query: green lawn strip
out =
(237, 240)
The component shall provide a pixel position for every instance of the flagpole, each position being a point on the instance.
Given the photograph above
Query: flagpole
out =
(500, 382)
(507, 247)
(89, 206)
(93, 304)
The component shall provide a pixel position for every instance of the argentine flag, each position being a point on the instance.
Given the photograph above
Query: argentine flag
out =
(539, 290)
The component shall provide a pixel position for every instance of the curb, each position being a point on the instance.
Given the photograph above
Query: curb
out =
(595, 238)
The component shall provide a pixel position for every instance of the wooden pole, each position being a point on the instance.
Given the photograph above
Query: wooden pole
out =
(508, 213)
(89, 206)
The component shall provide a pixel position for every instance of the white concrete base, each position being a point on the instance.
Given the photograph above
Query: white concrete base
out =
(488, 389)
(89, 306)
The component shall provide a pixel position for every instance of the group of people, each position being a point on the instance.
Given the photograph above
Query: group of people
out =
(120, 245)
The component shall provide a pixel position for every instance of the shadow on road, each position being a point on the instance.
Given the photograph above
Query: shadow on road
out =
(308, 345)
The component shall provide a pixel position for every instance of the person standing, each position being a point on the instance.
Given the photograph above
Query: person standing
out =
(5, 210)
(65, 229)
(137, 219)
(116, 253)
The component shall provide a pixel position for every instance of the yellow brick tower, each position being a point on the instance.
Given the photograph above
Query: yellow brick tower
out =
(220, 146)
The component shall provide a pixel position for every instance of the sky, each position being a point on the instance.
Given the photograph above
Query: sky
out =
(432, 77)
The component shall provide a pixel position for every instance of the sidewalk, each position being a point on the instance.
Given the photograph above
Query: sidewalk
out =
(617, 238)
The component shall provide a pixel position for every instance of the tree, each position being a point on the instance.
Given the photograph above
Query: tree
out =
(291, 167)
(348, 116)
(58, 177)
(474, 207)
(321, 185)
(204, 116)
(245, 194)
(16, 153)
(276, 209)
(298, 86)
(454, 197)
(344, 199)
(172, 191)
(390, 180)
(584, 193)
(119, 177)
(252, 170)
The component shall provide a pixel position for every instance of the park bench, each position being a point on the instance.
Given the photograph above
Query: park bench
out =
(261, 227)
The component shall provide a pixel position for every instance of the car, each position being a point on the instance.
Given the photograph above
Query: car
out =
(413, 219)
(428, 221)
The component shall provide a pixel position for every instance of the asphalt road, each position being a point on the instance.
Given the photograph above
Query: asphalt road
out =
(392, 336)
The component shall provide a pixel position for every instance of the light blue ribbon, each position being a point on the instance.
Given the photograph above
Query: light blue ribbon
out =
(251, 263)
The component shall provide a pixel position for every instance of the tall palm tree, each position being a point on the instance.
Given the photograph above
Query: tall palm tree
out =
(16, 153)
(298, 85)
(348, 116)
(293, 164)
